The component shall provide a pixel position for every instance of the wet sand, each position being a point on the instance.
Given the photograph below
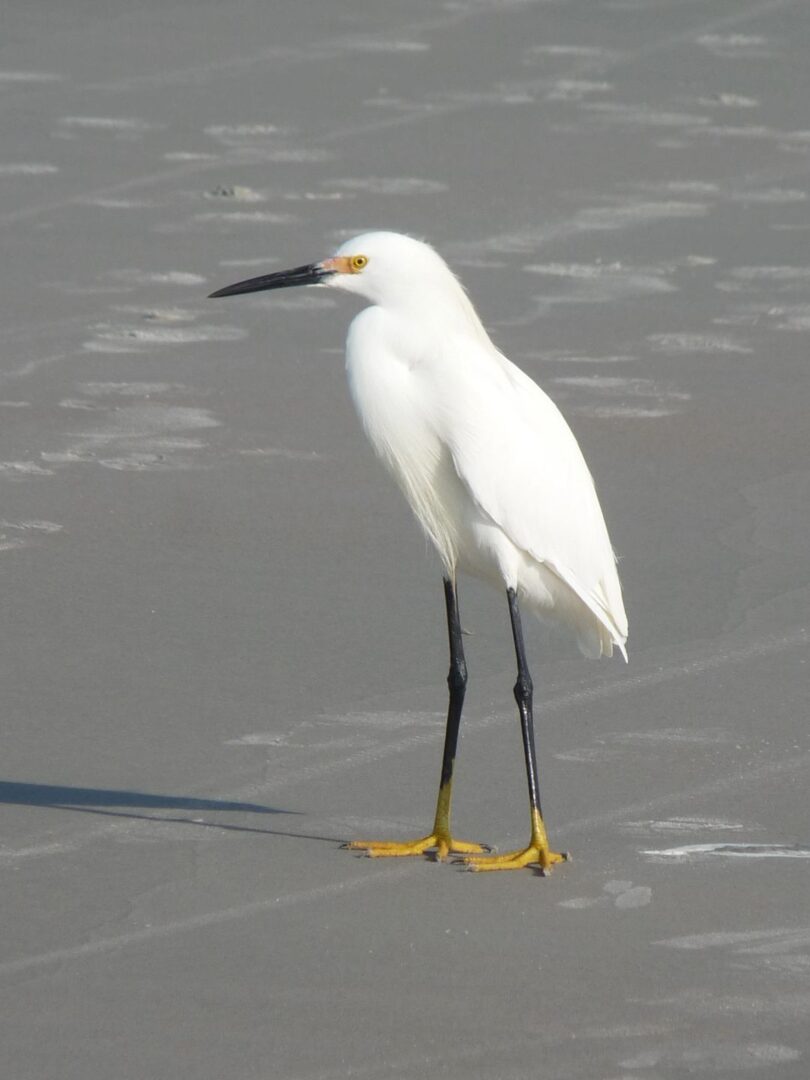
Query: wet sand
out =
(223, 647)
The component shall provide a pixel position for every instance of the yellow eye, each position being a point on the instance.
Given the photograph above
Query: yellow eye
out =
(358, 263)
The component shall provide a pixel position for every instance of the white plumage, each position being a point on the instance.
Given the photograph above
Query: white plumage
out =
(485, 459)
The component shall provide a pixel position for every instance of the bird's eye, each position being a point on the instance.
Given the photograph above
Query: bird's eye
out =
(358, 263)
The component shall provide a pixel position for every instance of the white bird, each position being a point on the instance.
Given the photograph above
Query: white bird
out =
(489, 467)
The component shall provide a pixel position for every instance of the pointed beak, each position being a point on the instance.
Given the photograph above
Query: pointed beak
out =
(312, 274)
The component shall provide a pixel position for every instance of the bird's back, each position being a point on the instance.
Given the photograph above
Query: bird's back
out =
(490, 468)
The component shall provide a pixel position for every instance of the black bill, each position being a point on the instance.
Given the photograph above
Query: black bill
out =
(283, 279)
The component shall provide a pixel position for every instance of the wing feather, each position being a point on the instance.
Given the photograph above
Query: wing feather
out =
(515, 453)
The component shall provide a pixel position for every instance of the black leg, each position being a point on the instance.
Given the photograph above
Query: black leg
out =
(523, 696)
(537, 852)
(457, 685)
(456, 681)
(440, 840)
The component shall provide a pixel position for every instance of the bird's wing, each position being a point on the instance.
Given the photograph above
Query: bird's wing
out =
(521, 464)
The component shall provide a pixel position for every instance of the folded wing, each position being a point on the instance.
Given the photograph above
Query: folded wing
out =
(521, 464)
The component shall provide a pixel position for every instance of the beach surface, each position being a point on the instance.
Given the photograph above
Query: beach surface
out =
(223, 646)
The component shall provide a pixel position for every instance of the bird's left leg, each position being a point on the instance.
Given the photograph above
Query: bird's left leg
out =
(537, 852)
(440, 840)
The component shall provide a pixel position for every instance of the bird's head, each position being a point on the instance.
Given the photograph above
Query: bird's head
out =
(384, 267)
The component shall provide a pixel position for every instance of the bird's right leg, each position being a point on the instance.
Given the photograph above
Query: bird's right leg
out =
(537, 852)
(440, 840)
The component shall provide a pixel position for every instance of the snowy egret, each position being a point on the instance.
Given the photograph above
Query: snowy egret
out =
(489, 467)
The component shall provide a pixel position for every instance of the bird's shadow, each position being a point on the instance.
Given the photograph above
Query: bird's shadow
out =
(140, 805)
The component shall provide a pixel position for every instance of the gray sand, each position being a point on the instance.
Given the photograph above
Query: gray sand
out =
(223, 646)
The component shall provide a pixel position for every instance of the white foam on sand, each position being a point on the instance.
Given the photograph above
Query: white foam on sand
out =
(128, 124)
(696, 343)
(29, 77)
(156, 277)
(27, 168)
(245, 217)
(734, 851)
(389, 185)
(128, 338)
(20, 534)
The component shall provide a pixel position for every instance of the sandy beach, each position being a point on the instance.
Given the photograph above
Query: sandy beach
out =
(223, 643)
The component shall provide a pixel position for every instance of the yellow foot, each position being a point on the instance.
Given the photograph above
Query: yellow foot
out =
(440, 845)
(534, 855)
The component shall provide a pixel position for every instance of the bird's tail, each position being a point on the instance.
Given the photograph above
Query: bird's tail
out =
(600, 620)
(596, 640)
